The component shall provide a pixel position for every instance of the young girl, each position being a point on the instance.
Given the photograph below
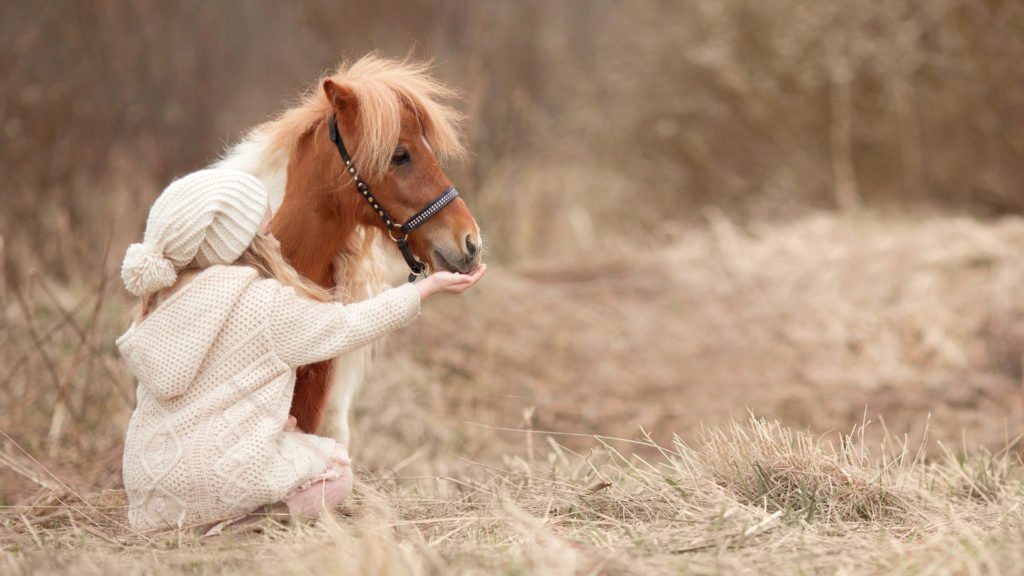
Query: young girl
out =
(223, 322)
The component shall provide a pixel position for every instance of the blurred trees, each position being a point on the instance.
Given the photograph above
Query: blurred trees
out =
(585, 117)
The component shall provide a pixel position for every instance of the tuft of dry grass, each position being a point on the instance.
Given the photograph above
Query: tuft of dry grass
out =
(798, 475)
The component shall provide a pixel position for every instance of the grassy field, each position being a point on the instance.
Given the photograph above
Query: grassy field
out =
(754, 301)
(829, 395)
(754, 498)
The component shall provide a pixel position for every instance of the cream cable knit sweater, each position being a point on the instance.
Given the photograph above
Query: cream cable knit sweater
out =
(216, 369)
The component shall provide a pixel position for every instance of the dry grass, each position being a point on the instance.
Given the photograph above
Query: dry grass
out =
(739, 503)
(805, 323)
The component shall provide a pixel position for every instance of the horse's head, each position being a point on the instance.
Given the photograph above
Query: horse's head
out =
(392, 119)
(392, 150)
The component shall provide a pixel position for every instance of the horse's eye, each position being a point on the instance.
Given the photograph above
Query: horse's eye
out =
(401, 156)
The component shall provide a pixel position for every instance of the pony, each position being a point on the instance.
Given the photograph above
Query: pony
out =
(394, 118)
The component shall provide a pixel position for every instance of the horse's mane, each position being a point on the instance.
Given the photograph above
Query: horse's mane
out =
(382, 86)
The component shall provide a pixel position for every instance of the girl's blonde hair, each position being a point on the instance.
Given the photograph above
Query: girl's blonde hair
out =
(264, 255)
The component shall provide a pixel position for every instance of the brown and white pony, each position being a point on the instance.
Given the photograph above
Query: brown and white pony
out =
(393, 119)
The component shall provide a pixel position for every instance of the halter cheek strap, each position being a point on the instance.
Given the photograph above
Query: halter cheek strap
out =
(416, 267)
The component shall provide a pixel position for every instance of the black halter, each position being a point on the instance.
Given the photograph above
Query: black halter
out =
(435, 206)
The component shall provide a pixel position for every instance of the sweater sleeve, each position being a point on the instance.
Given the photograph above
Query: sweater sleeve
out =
(304, 331)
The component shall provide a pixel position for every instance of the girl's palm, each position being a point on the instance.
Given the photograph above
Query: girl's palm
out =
(449, 282)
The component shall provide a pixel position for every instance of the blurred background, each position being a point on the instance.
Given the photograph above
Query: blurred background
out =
(586, 119)
(808, 209)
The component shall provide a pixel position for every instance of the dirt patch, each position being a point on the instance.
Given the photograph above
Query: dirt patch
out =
(820, 323)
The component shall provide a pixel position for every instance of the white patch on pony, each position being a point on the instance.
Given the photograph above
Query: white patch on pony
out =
(249, 156)
(347, 375)
(349, 370)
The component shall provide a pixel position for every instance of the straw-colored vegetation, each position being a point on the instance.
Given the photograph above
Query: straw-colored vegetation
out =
(755, 300)
(458, 471)
(753, 498)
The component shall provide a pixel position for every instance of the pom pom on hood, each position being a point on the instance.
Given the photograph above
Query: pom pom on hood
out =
(145, 270)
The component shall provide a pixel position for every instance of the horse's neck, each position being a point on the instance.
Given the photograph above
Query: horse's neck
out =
(311, 228)
(311, 241)
(323, 243)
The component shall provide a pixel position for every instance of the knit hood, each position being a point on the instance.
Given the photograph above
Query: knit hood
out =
(164, 360)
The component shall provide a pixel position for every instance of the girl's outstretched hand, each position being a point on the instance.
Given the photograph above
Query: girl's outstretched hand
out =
(449, 282)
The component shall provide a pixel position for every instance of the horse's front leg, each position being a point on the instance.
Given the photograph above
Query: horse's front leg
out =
(309, 400)
(346, 377)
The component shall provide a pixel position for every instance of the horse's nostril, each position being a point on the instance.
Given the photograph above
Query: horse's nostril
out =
(471, 248)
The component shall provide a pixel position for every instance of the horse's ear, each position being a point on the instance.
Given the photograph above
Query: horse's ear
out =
(342, 98)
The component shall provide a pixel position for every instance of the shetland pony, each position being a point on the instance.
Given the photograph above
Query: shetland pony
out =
(393, 118)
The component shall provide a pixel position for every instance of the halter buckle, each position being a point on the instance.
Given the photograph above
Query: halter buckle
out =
(392, 234)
